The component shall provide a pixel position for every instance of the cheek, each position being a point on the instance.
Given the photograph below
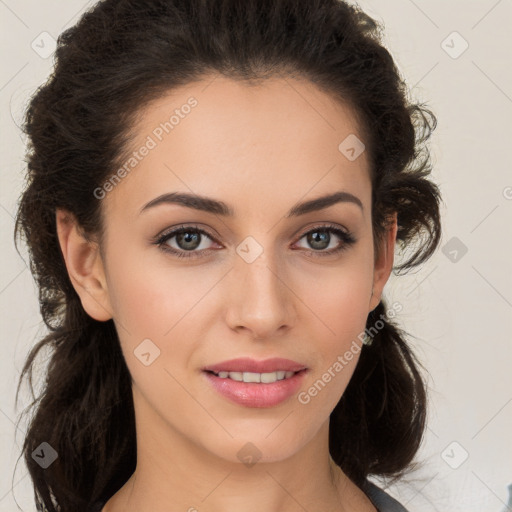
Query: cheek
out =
(341, 304)
(169, 306)
(341, 310)
(154, 307)
(338, 300)
(150, 297)
(338, 296)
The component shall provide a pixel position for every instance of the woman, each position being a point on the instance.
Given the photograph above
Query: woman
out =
(215, 191)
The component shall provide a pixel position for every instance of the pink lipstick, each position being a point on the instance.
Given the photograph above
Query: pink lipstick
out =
(253, 383)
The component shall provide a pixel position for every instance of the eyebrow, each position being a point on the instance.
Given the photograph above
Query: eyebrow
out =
(216, 207)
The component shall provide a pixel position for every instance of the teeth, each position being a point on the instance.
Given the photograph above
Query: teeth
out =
(266, 378)
(251, 377)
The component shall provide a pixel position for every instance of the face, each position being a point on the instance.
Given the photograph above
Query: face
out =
(264, 280)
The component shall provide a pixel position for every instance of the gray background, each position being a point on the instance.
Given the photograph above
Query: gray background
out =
(458, 307)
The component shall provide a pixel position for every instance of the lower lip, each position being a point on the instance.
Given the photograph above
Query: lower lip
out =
(254, 394)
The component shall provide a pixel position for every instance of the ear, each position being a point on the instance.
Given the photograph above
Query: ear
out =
(384, 262)
(84, 265)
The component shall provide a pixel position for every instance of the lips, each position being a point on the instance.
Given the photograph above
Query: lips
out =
(253, 383)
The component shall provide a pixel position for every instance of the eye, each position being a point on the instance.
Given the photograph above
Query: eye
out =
(188, 239)
(320, 238)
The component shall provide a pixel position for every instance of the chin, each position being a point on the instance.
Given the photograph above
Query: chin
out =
(258, 445)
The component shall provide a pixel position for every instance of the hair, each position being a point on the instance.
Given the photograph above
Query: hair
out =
(121, 55)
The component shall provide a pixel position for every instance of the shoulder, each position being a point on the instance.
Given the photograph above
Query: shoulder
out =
(381, 499)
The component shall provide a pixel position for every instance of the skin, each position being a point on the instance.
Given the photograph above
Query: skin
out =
(260, 149)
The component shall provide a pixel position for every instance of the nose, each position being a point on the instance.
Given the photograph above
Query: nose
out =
(261, 301)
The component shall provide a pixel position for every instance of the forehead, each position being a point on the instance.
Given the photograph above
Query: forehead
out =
(224, 138)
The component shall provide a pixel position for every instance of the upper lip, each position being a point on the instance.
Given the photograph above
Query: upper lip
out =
(246, 364)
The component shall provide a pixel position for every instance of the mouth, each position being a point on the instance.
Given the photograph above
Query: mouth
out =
(254, 389)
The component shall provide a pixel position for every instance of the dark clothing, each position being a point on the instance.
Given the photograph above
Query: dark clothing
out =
(381, 500)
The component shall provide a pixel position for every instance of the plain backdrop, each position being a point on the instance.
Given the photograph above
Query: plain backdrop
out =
(455, 57)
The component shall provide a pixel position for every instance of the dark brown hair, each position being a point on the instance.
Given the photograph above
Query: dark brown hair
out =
(118, 57)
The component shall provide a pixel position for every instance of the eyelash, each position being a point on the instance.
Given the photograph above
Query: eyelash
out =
(346, 237)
